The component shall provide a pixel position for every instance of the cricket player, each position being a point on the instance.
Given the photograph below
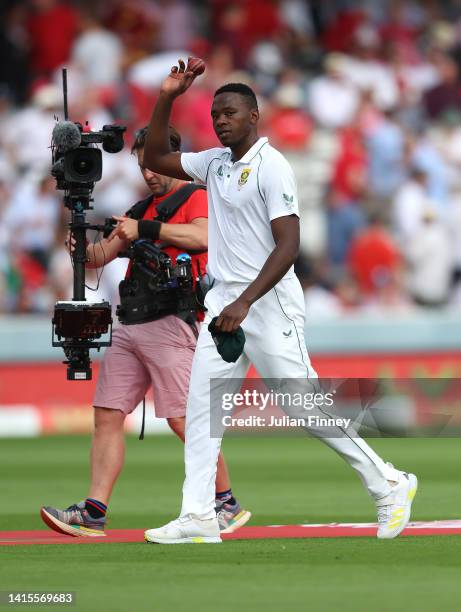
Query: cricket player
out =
(253, 242)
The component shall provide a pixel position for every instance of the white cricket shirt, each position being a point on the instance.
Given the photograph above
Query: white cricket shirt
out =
(243, 198)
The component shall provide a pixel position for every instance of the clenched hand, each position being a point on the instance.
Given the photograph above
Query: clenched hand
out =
(232, 315)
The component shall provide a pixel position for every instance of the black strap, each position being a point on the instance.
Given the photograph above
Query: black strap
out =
(138, 210)
(168, 207)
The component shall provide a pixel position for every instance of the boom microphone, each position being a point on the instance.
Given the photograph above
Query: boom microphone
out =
(66, 136)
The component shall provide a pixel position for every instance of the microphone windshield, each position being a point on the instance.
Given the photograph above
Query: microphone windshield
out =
(66, 136)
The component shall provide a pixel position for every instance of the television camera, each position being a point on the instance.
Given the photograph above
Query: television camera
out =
(79, 325)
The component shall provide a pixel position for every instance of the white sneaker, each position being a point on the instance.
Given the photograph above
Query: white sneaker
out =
(186, 530)
(394, 510)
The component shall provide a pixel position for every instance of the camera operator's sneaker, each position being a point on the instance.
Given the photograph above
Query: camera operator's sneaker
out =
(231, 517)
(395, 509)
(74, 520)
(185, 530)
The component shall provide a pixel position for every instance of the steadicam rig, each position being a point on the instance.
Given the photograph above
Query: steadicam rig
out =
(79, 325)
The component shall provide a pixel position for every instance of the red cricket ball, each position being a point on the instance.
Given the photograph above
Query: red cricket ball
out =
(196, 65)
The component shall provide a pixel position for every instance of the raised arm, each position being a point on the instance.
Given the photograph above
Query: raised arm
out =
(157, 155)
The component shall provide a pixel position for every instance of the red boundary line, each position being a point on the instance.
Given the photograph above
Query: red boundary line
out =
(11, 538)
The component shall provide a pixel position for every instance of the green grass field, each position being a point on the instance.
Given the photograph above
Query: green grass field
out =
(282, 481)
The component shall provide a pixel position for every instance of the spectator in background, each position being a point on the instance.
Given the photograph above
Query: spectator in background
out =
(52, 28)
(345, 219)
(176, 24)
(447, 94)
(430, 262)
(422, 153)
(386, 145)
(31, 218)
(410, 201)
(97, 52)
(391, 77)
(242, 24)
(349, 175)
(402, 25)
(339, 25)
(27, 133)
(345, 213)
(366, 71)
(135, 24)
(374, 258)
(30, 222)
(289, 126)
(332, 100)
(267, 64)
(414, 74)
(295, 15)
(26, 289)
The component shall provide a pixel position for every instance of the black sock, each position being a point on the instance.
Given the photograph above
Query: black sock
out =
(95, 508)
(226, 497)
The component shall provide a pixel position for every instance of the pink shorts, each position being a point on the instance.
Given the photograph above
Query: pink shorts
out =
(157, 354)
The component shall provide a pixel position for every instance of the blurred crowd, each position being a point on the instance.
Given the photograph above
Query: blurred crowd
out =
(363, 97)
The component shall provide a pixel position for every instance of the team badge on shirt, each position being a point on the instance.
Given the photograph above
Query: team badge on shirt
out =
(244, 177)
(289, 201)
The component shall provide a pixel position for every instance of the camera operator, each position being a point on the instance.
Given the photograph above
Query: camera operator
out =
(154, 346)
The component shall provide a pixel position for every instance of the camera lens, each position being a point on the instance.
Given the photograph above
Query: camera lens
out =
(83, 166)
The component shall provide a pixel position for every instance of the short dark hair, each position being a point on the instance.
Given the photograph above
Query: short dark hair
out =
(240, 88)
(141, 135)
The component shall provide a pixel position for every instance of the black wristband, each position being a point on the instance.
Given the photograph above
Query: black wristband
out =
(149, 229)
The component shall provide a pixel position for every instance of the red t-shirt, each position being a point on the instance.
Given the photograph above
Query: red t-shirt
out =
(349, 170)
(193, 208)
(373, 259)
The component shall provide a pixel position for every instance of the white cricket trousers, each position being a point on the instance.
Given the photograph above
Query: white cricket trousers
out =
(276, 354)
